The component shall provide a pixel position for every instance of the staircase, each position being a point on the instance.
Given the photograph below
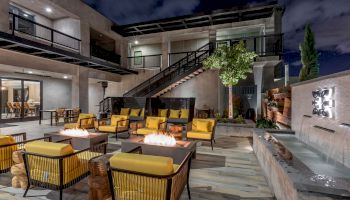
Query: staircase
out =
(181, 71)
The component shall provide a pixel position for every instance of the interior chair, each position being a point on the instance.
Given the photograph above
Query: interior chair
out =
(60, 114)
(84, 121)
(152, 125)
(202, 129)
(118, 124)
(17, 108)
(10, 144)
(29, 109)
(73, 115)
(9, 109)
(137, 176)
(57, 166)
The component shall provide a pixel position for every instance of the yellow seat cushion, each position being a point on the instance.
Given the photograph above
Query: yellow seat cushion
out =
(199, 135)
(146, 131)
(49, 148)
(116, 118)
(185, 113)
(162, 112)
(6, 152)
(174, 114)
(135, 112)
(124, 111)
(156, 165)
(112, 129)
(71, 125)
(202, 126)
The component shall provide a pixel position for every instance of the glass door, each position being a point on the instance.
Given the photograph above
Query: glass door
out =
(19, 99)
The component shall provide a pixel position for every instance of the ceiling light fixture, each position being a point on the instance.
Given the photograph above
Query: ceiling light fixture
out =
(25, 15)
(48, 10)
(136, 42)
(30, 72)
(65, 77)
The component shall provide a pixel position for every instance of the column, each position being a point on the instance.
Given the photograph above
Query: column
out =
(80, 89)
(277, 18)
(4, 15)
(165, 51)
(258, 70)
(85, 38)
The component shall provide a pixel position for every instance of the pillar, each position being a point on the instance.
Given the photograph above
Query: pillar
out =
(277, 15)
(165, 51)
(85, 38)
(4, 15)
(258, 70)
(80, 89)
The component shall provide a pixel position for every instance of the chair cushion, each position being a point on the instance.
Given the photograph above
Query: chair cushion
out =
(49, 148)
(135, 112)
(124, 111)
(202, 126)
(174, 114)
(116, 118)
(152, 123)
(85, 123)
(71, 125)
(211, 125)
(146, 131)
(156, 165)
(185, 113)
(6, 152)
(5, 139)
(162, 112)
(112, 129)
(199, 135)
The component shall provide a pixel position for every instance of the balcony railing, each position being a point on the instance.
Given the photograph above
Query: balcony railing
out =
(22, 27)
(145, 62)
(98, 52)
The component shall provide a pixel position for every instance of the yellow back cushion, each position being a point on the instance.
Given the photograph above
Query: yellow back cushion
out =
(152, 123)
(135, 112)
(162, 112)
(197, 124)
(124, 111)
(116, 118)
(4, 140)
(157, 165)
(184, 113)
(174, 114)
(86, 116)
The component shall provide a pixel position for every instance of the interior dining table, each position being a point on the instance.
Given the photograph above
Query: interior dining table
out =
(53, 113)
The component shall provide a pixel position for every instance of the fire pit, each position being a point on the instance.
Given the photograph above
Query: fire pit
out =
(81, 139)
(154, 145)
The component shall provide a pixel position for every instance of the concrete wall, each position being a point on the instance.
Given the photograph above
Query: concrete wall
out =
(185, 46)
(336, 145)
(203, 87)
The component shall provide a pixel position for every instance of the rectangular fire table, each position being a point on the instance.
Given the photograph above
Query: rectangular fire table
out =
(176, 152)
(81, 142)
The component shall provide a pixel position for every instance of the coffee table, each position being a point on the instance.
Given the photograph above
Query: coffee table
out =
(177, 152)
(81, 142)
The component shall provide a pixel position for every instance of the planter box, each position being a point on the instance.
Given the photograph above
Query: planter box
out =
(234, 129)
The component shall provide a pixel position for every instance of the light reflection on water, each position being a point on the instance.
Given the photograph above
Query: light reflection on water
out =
(327, 181)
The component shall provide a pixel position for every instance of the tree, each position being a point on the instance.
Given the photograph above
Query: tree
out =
(233, 63)
(309, 56)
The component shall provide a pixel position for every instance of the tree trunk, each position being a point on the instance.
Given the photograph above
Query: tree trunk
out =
(230, 103)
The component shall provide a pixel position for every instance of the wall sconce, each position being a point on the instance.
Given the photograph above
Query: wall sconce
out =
(323, 102)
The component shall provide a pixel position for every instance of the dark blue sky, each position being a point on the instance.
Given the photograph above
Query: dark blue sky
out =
(330, 20)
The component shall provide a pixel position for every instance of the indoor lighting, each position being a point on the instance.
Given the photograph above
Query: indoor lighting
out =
(3, 88)
(65, 77)
(48, 10)
(136, 42)
(30, 72)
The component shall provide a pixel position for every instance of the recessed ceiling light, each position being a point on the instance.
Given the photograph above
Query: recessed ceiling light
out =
(65, 77)
(25, 15)
(49, 10)
(136, 42)
(30, 72)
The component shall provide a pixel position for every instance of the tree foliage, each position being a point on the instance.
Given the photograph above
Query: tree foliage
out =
(233, 63)
(309, 56)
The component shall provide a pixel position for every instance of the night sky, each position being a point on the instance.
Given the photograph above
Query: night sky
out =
(329, 19)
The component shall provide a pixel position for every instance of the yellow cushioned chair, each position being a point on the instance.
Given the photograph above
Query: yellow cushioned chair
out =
(124, 111)
(7, 147)
(119, 124)
(202, 129)
(85, 121)
(152, 125)
(138, 177)
(56, 166)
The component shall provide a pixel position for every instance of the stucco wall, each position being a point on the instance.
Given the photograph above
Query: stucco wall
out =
(337, 144)
(203, 87)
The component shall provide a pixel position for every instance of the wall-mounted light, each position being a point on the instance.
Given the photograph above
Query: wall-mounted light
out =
(323, 102)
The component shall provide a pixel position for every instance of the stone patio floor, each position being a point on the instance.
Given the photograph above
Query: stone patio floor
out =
(229, 172)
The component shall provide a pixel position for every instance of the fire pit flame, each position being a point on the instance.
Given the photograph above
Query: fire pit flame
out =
(75, 132)
(160, 139)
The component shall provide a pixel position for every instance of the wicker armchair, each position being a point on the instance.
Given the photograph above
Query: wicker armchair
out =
(202, 129)
(152, 125)
(85, 121)
(57, 166)
(137, 176)
(10, 144)
(60, 114)
(119, 124)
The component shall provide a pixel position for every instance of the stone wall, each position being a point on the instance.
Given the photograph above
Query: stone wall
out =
(336, 145)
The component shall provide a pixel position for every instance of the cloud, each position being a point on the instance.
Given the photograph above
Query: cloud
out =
(329, 21)
(134, 11)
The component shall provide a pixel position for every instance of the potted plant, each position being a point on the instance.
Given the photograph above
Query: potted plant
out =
(233, 63)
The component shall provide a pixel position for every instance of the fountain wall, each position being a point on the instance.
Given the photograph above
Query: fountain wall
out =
(331, 136)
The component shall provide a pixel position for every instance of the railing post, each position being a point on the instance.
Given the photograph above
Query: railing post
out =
(52, 38)
(255, 45)
(13, 24)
